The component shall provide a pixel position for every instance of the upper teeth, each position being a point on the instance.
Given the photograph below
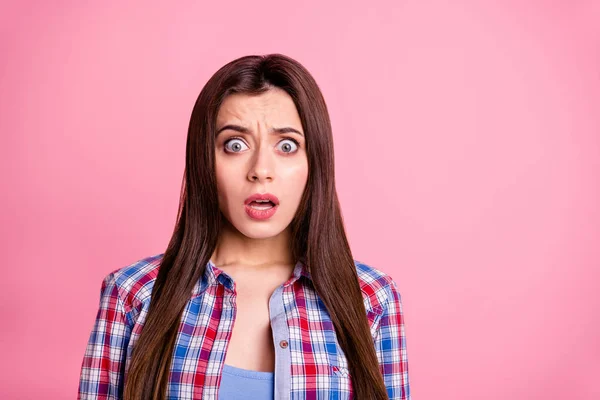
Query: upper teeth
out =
(263, 201)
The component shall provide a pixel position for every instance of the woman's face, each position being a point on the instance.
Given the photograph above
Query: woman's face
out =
(256, 152)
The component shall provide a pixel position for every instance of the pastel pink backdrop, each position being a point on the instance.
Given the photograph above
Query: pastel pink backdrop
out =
(467, 158)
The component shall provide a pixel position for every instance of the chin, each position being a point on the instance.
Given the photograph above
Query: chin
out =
(259, 232)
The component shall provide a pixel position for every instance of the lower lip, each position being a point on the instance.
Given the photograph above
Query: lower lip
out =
(260, 214)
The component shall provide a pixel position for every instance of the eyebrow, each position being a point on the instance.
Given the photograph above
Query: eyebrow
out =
(246, 130)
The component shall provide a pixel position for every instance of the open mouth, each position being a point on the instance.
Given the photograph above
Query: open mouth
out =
(261, 204)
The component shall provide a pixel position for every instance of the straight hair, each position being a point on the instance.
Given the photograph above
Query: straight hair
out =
(318, 233)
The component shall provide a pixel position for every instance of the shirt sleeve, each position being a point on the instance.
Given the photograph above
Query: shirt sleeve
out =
(390, 345)
(103, 365)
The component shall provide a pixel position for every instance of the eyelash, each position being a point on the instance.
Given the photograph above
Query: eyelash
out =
(238, 137)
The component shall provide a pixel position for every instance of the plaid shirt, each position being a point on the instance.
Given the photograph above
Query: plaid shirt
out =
(310, 362)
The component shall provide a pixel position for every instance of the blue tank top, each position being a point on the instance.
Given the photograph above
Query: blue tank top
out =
(238, 383)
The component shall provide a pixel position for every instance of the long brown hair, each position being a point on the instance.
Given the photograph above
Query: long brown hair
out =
(318, 234)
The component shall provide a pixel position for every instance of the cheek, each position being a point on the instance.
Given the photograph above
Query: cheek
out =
(225, 182)
(295, 178)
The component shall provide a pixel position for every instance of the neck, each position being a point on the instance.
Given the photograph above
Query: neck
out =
(235, 248)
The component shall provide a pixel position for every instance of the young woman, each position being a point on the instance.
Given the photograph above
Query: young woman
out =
(257, 295)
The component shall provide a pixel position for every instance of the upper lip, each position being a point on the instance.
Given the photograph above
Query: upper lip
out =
(262, 196)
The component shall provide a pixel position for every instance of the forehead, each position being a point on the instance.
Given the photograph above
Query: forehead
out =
(274, 107)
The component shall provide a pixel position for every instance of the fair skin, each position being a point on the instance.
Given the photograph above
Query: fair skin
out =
(257, 253)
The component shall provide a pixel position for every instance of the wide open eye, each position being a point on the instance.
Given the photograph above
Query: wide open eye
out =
(237, 145)
(289, 145)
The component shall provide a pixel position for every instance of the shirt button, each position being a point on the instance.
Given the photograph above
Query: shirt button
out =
(283, 344)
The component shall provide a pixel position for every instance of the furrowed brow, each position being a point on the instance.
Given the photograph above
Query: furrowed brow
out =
(242, 129)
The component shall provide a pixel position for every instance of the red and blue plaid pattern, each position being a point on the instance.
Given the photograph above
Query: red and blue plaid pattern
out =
(315, 364)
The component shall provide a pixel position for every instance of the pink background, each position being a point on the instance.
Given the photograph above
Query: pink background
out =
(468, 159)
